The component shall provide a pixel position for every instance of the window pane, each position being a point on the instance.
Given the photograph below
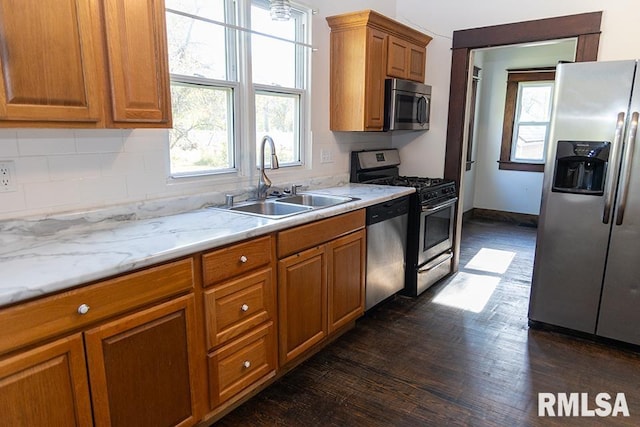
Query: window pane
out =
(530, 142)
(261, 21)
(196, 48)
(277, 116)
(202, 134)
(210, 9)
(266, 53)
(273, 61)
(535, 101)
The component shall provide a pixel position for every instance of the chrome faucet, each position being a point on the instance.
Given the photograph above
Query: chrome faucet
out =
(263, 181)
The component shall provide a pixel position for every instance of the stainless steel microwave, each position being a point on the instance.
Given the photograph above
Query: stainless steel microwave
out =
(407, 105)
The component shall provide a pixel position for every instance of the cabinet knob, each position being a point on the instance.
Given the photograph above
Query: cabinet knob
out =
(244, 307)
(243, 259)
(83, 309)
(246, 364)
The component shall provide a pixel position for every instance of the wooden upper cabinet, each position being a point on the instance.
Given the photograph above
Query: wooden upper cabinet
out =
(137, 59)
(405, 60)
(48, 62)
(374, 77)
(83, 63)
(367, 48)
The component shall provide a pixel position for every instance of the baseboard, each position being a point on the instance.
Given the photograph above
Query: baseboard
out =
(526, 220)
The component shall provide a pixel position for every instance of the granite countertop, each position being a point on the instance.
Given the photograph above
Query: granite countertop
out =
(49, 256)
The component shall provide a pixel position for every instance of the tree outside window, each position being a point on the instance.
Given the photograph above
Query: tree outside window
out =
(209, 92)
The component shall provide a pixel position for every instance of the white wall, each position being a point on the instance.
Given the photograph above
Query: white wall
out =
(505, 190)
(423, 153)
(60, 170)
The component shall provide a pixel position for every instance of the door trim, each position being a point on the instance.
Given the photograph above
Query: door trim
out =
(584, 27)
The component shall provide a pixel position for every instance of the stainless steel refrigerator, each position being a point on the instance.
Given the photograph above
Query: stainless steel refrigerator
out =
(587, 265)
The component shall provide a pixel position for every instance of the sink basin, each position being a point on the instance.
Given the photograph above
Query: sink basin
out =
(270, 209)
(287, 206)
(315, 200)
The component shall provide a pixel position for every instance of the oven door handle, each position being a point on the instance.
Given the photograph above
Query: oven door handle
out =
(433, 267)
(442, 205)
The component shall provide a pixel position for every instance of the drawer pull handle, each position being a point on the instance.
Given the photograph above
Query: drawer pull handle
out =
(243, 259)
(83, 309)
(246, 364)
(244, 307)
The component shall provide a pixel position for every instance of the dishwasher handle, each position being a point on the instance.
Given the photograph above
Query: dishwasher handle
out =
(387, 210)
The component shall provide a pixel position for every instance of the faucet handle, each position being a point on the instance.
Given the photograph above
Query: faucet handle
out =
(228, 200)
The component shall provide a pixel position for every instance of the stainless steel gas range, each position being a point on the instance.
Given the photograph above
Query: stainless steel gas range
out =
(429, 248)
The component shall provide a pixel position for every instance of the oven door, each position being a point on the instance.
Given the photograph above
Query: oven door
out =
(436, 230)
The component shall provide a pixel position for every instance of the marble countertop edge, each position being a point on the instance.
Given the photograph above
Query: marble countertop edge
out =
(41, 264)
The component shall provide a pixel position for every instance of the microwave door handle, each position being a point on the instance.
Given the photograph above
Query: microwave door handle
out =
(422, 110)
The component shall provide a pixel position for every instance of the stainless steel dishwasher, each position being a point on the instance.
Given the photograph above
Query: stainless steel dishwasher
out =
(386, 249)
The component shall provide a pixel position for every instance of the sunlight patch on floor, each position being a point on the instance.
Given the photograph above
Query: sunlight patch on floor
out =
(491, 261)
(468, 291)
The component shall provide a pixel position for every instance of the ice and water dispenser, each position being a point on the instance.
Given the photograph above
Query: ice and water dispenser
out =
(581, 167)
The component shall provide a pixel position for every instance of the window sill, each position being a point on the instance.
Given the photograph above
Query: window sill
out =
(519, 166)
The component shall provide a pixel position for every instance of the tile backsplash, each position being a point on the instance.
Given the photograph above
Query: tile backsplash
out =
(60, 171)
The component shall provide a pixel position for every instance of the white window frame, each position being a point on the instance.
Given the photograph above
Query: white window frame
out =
(517, 122)
(244, 146)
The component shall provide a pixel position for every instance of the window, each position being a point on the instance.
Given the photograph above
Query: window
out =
(526, 120)
(279, 77)
(216, 98)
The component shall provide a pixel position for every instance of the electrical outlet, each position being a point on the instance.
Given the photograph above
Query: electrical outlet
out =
(326, 155)
(7, 176)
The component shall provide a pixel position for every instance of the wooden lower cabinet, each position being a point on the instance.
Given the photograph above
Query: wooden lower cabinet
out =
(237, 366)
(141, 367)
(46, 386)
(302, 302)
(320, 281)
(346, 261)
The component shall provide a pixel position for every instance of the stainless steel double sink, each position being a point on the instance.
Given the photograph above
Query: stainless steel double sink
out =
(290, 205)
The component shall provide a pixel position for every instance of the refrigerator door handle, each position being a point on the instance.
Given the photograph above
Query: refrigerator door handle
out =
(609, 193)
(626, 168)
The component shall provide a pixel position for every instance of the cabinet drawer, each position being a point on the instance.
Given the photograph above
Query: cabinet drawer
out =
(236, 259)
(308, 235)
(233, 308)
(29, 322)
(236, 366)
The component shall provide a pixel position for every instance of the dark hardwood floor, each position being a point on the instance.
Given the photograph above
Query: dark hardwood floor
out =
(461, 354)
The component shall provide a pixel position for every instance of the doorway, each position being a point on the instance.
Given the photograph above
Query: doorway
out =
(512, 187)
(585, 28)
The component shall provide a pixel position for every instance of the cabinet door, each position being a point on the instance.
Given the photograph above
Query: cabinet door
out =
(417, 63)
(142, 369)
(138, 63)
(405, 60)
(346, 267)
(302, 302)
(46, 386)
(48, 66)
(374, 78)
(397, 65)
